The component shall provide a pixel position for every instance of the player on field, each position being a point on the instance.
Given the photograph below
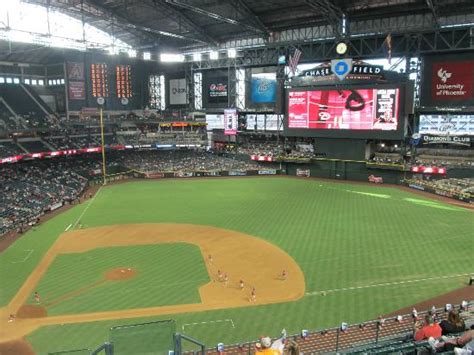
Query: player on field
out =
(226, 279)
(37, 297)
(284, 275)
(241, 284)
(253, 295)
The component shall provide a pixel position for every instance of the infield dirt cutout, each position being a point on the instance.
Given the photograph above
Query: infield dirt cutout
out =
(256, 261)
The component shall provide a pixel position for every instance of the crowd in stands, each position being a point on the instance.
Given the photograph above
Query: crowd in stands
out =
(60, 142)
(186, 160)
(450, 186)
(270, 149)
(446, 162)
(387, 158)
(32, 189)
(8, 148)
(449, 330)
(278, 151)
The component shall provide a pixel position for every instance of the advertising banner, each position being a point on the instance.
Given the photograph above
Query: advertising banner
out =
(341, 67)
(55, 206)
(183, 174)
(452, 81)
(263, 88)
(154, 175)
(355, 109)
(76, 90)
(237, 173)
(375, 179)
(448, 81)
(215, 122)
(262, 158)
(447, 124)
(303, 172)
(75, 71)
(230, 122)
(178, 92)
(267, 172)
(217, 90)
(446, 139)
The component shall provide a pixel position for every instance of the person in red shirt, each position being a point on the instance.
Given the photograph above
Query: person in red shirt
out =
(427, 329)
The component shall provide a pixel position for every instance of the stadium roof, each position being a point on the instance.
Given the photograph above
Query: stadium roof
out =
(187, 25)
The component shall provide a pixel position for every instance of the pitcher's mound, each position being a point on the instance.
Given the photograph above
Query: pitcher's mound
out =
(31, 311)
(123, 273)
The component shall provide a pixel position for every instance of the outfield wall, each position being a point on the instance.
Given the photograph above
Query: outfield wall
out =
(346, 170)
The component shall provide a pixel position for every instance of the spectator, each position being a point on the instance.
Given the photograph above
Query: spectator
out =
(454, 323)
(428, 328)
(266, 347)
(292, 348)
(462, 345)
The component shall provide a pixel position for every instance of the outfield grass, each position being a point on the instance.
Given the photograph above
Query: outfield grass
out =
(166, 274)
(342, 235)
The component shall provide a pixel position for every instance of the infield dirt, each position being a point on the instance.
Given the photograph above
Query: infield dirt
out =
(240, 256)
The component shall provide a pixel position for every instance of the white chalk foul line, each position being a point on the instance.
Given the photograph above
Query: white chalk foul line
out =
(30, 251)
(209, 322)
(315, 293)
(85, 209)
(68, 227)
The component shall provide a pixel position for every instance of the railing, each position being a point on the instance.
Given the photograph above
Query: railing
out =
(392, 332)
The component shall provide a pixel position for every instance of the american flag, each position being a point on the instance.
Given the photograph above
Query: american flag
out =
(294, 60)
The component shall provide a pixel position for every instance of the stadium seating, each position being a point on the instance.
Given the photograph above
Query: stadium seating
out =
(30, 190)
(9, 148)
(32, 187)
(373, 337)
(447, 186)
(34, 146)
(186, 160)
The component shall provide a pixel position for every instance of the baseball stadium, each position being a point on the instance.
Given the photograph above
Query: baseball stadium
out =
(236, 177)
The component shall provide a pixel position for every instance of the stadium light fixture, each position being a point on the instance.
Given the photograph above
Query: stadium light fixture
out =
(171, 58)
(231, 53)
(214, 55)
(197, 57)
(146, 55)
(113, 50)
(132, 53)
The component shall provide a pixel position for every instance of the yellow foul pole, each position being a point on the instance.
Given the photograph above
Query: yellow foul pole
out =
(102, 145)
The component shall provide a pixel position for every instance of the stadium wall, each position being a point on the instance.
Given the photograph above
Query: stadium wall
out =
(345, 170)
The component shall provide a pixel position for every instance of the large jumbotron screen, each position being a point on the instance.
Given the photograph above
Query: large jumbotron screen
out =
(348, 109)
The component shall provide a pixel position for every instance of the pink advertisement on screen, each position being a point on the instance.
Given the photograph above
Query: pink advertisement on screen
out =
(355, 109)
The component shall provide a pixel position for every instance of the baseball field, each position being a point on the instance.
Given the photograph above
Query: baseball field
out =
(177, 249)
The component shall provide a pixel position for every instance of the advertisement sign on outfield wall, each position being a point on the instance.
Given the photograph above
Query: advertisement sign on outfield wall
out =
(267, 172)
(237, 173)
(303, 172)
